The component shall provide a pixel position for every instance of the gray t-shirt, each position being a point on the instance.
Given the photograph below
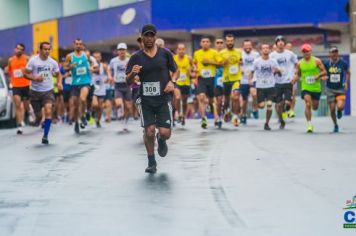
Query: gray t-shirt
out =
(99, 81)
(263, 72)
(118, 68)
(247, 64)
(286, 62)
(46, 68)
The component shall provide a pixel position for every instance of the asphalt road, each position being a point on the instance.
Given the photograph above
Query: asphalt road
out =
(242, 181)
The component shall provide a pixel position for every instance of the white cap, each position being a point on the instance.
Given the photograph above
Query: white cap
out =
(122, 46)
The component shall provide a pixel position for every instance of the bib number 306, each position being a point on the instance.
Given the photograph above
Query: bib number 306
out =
(151, 88)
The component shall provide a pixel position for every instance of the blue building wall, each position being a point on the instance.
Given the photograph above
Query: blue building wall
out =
(191, 14)
(103, 25)
(8, 39)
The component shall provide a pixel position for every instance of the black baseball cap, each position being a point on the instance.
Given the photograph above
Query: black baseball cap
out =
(148, 28)
(278, 38)
(333, 49)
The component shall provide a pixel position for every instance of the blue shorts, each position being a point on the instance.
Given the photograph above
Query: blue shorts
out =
(245, 90)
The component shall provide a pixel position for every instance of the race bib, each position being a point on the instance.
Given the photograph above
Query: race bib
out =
(219, 81)
(206, 73)
(233, 70)
(18, 73)
(81, 71)
(151, 89)
(310, 79)
(96, 87)
(264, 81)
(47, 75)
(335, 78)
(120, 79)
(68, 80)
(182, 77)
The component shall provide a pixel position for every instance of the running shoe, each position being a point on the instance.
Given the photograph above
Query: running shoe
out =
(282, 124)
(44, 140)
(91, 120)
(235, 121)
(255, 114)
(204, 122)
(291, 114)
(267, 127)
(183, 121)
(151, 169)
(243, 120)
(284, 115)
(339, 114)
(98, 125)
(162, 146)
(218, 123)
(310, 128)
(19, 130)
(336, 129)
(84, 121)
(76, 127)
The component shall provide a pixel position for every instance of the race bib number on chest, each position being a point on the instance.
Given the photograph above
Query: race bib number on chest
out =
(151, 88)
(219, 81)
(264, 81)
(81, 71)
(120, 79)
(68, 80)
(310, 79)
(233, 70)
(46, 75)
(182, 77)
(206, 73)
(335, 78)
(18, 73)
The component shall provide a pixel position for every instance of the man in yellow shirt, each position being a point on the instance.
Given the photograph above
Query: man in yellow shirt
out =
(206, 59)
(232, 60)
(185, 65)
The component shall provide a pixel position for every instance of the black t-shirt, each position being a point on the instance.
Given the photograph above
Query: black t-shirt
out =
(154, 74)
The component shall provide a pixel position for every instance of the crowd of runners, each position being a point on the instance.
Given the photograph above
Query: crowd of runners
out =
(163, 88)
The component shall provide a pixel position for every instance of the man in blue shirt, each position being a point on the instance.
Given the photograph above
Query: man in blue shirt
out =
(338, 74)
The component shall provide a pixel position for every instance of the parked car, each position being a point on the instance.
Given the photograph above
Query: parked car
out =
(7, 109)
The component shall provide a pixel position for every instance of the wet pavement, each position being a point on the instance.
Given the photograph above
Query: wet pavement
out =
(242, 181)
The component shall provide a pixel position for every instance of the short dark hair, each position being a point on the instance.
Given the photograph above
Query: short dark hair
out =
(21, 45)
(44, 43)
(247, 40)
(229, 36)
(205, 37)
(96, 52)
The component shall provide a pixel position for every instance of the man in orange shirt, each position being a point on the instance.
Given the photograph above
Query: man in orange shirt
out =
(20, 85)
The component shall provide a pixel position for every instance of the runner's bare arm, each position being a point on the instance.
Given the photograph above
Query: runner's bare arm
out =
(250, 77)
(296, 74)
(347, 81)
(322, 69)
(59, 80)
(131, 76)
(7, 68)
(28, 75)
(67, 64)
(108, 72)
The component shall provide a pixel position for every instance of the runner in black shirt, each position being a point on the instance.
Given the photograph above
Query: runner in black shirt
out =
(153, 66)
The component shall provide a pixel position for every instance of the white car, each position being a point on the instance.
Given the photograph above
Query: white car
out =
(7, 110)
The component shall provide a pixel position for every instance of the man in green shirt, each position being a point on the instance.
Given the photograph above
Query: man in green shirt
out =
(310, 70)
